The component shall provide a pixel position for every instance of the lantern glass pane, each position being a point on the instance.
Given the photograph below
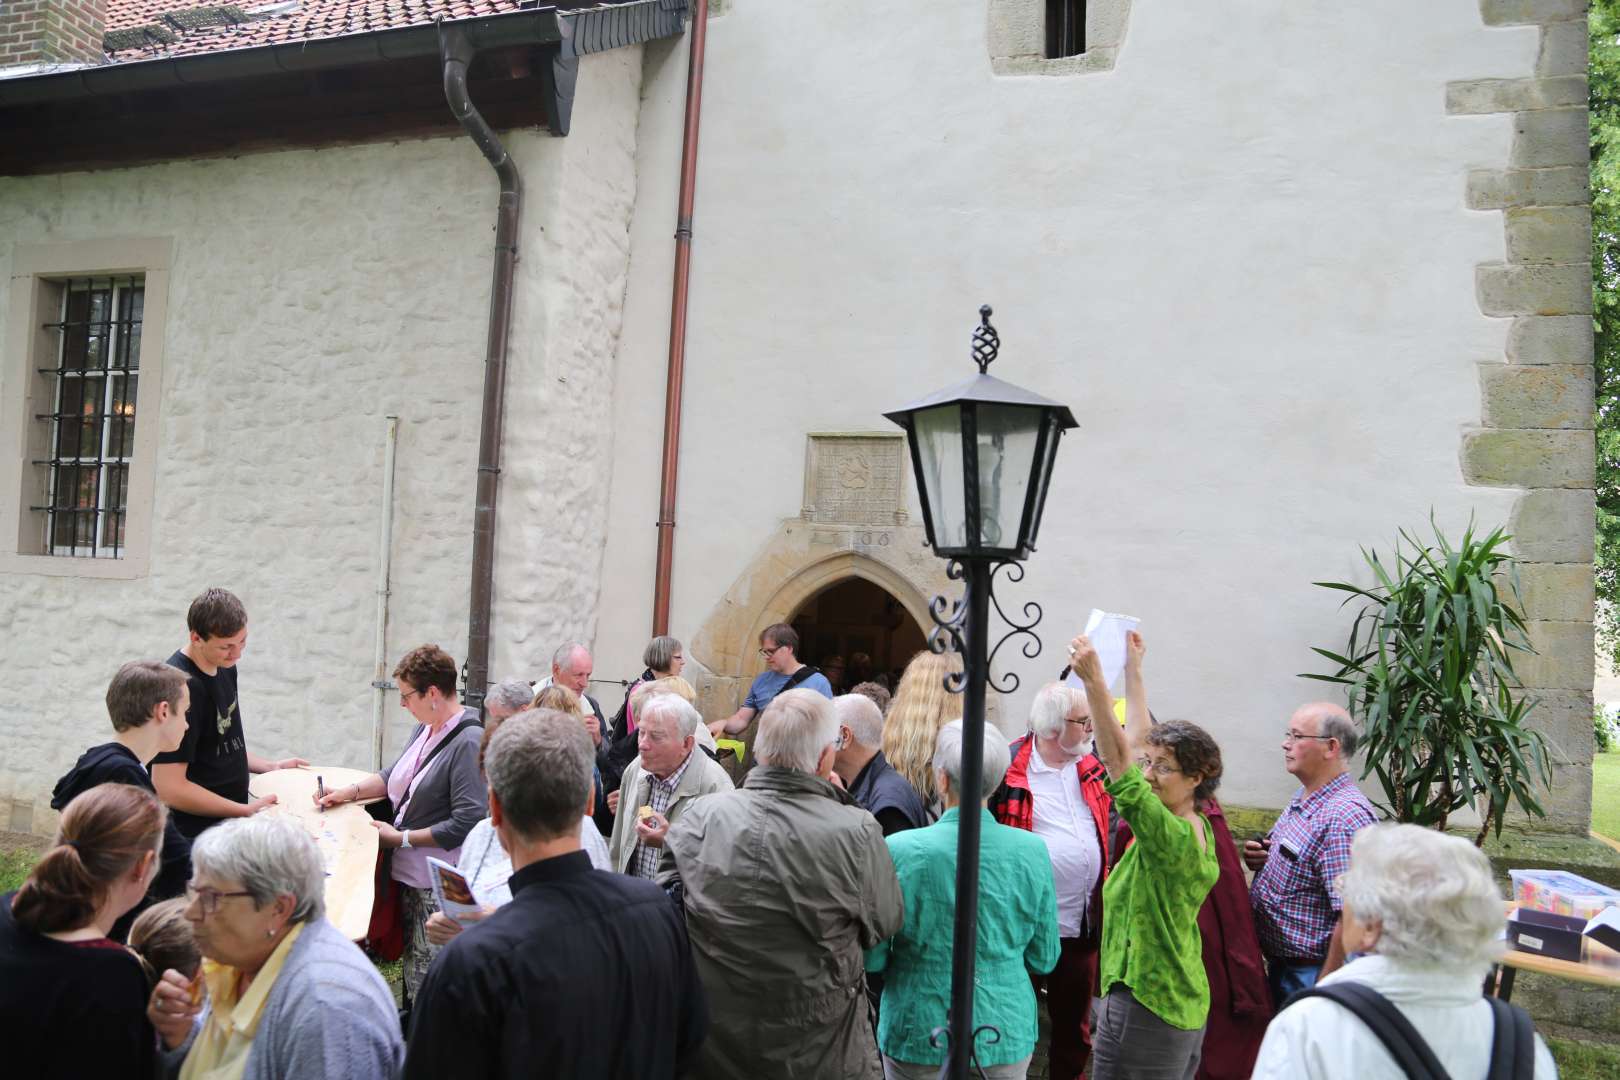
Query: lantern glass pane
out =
(1054, 435)
(1006, 437)
(938, 432)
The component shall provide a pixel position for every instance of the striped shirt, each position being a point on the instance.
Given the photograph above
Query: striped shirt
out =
(1295, 902)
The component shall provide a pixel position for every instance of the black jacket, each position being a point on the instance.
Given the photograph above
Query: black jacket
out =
(888, 796)
(585, 973)
(115, 763)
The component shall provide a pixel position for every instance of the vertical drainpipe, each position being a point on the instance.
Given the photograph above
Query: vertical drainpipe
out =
(677, 323)
(457, 53)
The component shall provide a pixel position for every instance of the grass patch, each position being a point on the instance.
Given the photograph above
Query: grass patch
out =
(1606, 794)
(1585, 1060)
(14, 866)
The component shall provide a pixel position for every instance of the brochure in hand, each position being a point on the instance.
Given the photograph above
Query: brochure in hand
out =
(450, 889)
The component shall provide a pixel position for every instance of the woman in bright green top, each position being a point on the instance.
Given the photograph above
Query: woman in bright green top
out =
(1150, 1023)
(1018, 930)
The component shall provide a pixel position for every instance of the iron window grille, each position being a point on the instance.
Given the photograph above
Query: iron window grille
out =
(1065, 28)
(91, 426)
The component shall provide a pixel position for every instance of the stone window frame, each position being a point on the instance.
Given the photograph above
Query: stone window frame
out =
(1017, 38)
(28, 347)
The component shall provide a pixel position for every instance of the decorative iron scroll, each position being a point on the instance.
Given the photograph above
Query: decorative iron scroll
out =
(950, 622)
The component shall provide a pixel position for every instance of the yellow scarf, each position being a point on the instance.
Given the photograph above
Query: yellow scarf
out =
(222, 1048)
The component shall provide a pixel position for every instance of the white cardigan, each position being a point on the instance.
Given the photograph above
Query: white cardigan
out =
(1315, 1039)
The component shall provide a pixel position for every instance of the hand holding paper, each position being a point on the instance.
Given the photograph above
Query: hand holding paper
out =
(1107, 633)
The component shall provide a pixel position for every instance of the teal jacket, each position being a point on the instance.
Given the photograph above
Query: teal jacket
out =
(1017, 935)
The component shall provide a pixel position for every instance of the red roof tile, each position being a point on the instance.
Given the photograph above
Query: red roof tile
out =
(310, 20)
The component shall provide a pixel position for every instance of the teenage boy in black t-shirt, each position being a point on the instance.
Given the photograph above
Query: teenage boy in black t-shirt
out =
(206, 779)
(147, 701)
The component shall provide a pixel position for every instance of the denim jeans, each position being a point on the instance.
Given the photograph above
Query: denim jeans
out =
(1287, 979)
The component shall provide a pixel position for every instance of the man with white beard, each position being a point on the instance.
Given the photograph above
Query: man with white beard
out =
(1054, 789)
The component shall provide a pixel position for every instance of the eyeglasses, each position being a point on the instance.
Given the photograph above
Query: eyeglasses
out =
(770, 652)
(406, 695)
(1149, 766)
(1294, 737)
(208, 899)
(1084, 721)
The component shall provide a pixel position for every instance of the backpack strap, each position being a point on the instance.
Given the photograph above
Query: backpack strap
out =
(1513, 1047)
(1384, 1020)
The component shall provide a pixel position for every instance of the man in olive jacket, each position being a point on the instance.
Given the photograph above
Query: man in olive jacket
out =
(787, 883)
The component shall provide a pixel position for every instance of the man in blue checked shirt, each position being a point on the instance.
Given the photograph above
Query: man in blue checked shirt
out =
(1296, 908)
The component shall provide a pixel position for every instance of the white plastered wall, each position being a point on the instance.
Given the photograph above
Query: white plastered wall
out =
(1242, 258)
(312, 294)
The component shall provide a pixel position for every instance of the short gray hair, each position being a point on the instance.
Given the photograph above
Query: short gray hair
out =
(1052, 705)
(948, 759)
(563, 658)
(670, 707)
(510, 695)
(1335, 723)
(862, 716)
(660, 653)
(1433, 894)
(797, 726)
(539, 766)
(270, 855)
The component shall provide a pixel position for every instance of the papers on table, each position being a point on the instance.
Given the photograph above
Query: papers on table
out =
(1107, 633)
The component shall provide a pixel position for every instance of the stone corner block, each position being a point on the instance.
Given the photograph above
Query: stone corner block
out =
(1555, 525)
(1559, 592)
(1564, 49)
(1555, 339)
(1501, 189)
(1548, 234)
(1537, 396)
(1478, 96)
(1533, 289)
(1565, 718)
(1563, 658)
(1529, 12)
(1532, 459)
(1551, 137)
(1569, 803)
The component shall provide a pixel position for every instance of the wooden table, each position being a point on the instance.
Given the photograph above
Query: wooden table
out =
(1599, 967)
(344, 834)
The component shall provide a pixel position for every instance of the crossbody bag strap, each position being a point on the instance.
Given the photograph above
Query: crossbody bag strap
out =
(798, 677)
(471, 721)
(1384, 1020)
(1513, 1047)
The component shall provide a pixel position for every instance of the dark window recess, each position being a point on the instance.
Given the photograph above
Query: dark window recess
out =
(90, 432)
(1065, 28)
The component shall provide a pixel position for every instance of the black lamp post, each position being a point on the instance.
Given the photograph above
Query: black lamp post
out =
(982, 452)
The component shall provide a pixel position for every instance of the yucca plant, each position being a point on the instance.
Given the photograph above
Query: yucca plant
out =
(1429, 673)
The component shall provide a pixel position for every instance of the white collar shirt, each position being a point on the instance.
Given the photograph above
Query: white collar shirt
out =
(1316, 1039)
(1064, 821)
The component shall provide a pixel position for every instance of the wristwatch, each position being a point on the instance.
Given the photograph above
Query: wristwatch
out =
(404, 838)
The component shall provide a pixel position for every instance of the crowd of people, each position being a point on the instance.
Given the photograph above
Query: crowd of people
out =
(635, 913)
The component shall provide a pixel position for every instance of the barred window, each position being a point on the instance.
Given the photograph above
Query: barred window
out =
(90, 431)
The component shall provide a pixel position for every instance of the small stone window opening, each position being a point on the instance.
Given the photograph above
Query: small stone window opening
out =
(1065, 28)
(89, 434)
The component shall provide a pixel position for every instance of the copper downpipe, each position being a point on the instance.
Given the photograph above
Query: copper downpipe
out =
(677, 323)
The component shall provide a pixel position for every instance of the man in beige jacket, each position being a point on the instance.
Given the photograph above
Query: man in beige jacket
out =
(659, 785)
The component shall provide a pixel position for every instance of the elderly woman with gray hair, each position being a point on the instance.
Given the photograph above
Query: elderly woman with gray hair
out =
(282, 993)
(1018, 929)
(1423, 910)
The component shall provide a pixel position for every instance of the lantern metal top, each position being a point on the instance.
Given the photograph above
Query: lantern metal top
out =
(985, 387)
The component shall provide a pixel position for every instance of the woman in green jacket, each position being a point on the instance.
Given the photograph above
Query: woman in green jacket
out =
(1150, 1023)
(1017, 928)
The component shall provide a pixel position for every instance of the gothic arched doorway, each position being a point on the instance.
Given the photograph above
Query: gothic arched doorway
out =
(856, 630)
